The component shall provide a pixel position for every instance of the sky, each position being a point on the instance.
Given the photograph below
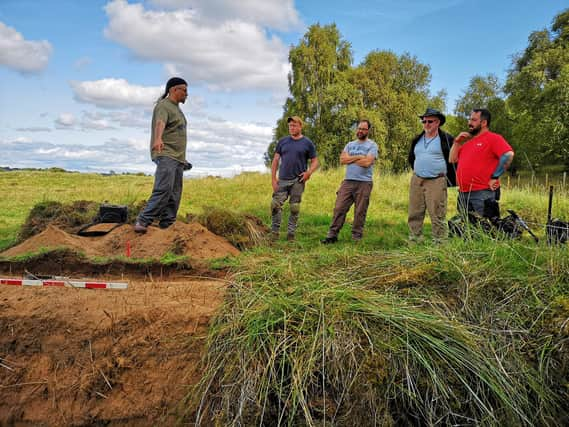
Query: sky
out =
(78, 79)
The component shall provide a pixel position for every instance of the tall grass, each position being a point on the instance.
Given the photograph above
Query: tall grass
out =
(304, 347)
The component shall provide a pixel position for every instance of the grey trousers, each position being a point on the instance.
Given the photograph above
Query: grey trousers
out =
(294, 190)
(474, 201)
(351, 193)
(166, 194)
(428, 195)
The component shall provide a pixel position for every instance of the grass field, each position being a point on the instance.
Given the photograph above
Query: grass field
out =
(381, 333)
(385, 228)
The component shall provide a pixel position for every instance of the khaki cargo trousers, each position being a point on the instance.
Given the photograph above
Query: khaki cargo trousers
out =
(428, 195)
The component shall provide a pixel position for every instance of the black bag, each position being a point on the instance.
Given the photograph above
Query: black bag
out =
(112, 213)
(108, 214)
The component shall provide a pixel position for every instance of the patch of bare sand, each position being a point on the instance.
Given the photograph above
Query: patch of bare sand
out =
(192, 240)
(101, 357)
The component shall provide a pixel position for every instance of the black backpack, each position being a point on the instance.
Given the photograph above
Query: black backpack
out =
(108, 214)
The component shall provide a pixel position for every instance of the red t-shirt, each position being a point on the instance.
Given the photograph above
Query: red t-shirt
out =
(478, 159)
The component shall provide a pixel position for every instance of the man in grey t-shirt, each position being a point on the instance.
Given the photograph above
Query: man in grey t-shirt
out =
(359, 156)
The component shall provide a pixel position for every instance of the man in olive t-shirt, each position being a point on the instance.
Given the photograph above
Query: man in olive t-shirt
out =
(168, 151)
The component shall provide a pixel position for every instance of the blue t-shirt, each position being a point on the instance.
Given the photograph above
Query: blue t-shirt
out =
(429, 159)
(294, 156)
(358, 148)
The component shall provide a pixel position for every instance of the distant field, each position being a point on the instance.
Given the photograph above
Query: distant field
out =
(251, 193)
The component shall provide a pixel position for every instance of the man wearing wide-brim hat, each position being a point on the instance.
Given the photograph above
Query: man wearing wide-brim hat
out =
(432, 174)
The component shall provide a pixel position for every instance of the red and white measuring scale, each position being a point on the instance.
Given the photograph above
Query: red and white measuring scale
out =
(64, 283)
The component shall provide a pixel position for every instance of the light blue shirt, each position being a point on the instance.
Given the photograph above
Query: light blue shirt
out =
(358, 148)
(429, 159)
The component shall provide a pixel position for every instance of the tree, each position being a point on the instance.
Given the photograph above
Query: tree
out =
(481, 90)
(318, 60)
(538, 89)
(395, 90)
(332, 96)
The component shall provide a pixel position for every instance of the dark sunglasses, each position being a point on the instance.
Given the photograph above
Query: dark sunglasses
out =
(427, 121)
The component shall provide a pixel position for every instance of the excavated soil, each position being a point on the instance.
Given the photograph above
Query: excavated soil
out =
(86, 357)
(102, 357)
(192, 240)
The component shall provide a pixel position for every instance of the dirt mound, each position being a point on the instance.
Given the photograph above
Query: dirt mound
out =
(99, 357)
(191, 240)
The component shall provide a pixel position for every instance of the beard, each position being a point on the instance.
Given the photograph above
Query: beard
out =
(475, 130)
(361, 136)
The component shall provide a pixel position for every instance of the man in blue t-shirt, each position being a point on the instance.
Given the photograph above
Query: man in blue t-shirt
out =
(359, 156)
(293, 152)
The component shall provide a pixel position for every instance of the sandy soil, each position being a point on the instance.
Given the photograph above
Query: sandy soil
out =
(102, 357)
(192, 240)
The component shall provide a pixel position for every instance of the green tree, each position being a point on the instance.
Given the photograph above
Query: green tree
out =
(481, 90)
(395, 91)
(538, 89)
(317, 63)
(331, 96)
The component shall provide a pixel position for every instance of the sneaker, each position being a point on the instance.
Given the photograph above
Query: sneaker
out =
(139, 228)
(290, 237)
(329, 240)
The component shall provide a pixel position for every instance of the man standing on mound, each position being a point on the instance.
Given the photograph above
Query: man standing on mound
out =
(293, 152)
(168, 151)
(359, 156)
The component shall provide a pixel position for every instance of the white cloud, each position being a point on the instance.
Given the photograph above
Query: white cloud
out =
(115, 93)
(277, 14)
(214, 148)
(65, 121)
(20, 54)
(231, 54)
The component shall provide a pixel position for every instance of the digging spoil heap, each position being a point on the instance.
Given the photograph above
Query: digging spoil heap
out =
(107, 357)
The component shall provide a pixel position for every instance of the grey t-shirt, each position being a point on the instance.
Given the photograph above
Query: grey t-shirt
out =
(365, 148)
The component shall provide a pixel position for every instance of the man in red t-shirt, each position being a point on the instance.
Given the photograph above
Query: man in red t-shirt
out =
(482, 157)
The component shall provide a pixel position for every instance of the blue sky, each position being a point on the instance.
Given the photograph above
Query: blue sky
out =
(78, 78)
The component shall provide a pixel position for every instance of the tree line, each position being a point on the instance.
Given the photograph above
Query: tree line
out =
(531, 108)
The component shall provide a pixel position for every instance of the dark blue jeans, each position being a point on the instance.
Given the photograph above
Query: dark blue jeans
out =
(166, 194)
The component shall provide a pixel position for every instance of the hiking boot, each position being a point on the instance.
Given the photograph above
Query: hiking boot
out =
(290, 237)
(329, 240)
(274, 236)
(139, 228)
(164, 225)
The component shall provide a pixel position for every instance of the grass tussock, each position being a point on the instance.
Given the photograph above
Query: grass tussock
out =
(242, 230)
(309, 349)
